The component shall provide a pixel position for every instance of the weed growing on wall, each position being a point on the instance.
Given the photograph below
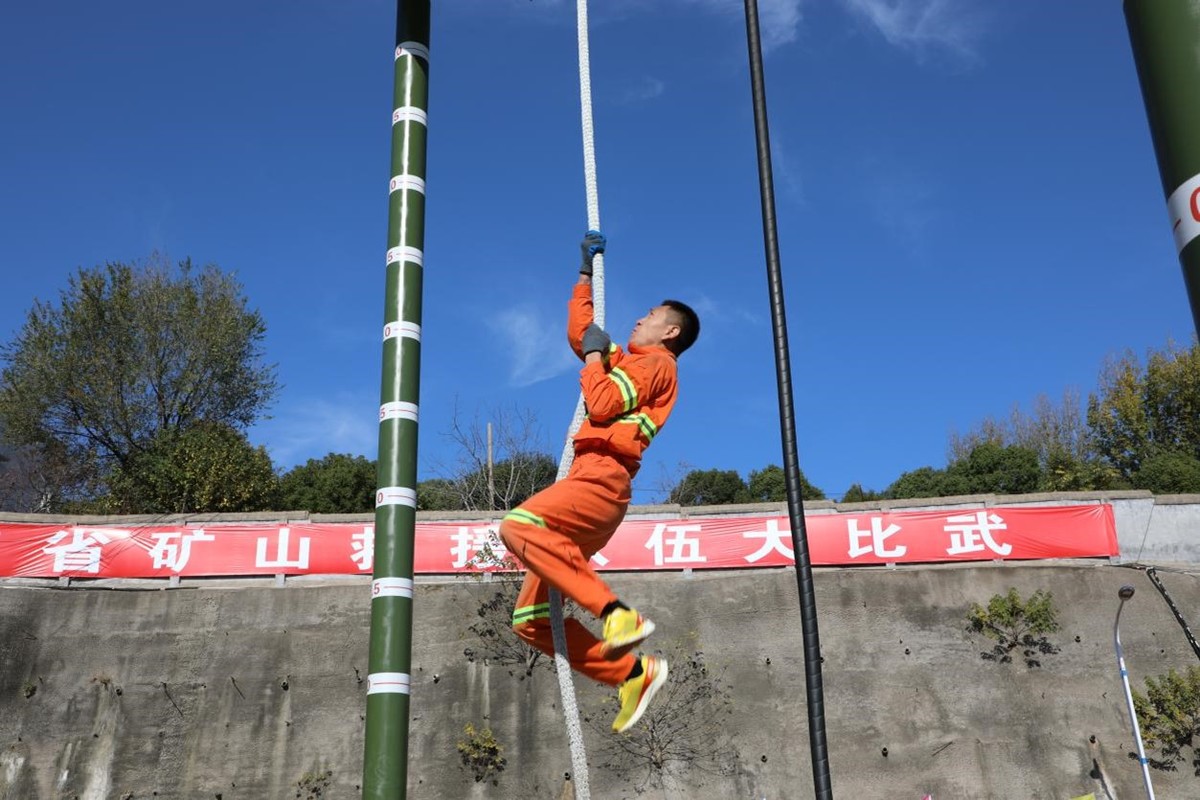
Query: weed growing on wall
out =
(314, 785)
(1016, 624)
(481, 754)
(1169, 717)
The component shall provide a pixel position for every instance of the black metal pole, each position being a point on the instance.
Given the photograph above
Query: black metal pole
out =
(787, 420)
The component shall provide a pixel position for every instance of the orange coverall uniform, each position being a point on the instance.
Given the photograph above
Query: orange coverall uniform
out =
(555, 533)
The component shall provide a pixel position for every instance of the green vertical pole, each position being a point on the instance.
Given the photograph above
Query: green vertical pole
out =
(385, 760)
(1165, 35)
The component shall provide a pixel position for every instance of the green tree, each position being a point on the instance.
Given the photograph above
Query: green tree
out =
(1065, 473)
(1050, 429)
(769, 485)
(1058, 433)
(207, 467)
(338, 483)
(710, 487)
(921, 482)
(1169, 717)
(1169, 472)
(857, 494)
(130, 353)
(1140, 411)
(989, 467)
(438, 494)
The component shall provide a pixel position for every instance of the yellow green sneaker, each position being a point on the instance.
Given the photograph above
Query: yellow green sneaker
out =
(624, 629)
(635, 694)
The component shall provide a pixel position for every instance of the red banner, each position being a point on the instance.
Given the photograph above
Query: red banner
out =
(713, 543)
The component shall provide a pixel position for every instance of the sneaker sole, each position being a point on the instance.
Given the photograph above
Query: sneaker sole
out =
(660, 677)
(613, 650)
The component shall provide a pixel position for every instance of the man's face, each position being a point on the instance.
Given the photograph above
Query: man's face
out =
(658, 324)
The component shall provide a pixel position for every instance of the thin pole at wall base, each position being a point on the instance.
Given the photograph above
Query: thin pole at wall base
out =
(491, 475)
(808, 607)
(1126, 592)
(385, 751)
(1165, 35)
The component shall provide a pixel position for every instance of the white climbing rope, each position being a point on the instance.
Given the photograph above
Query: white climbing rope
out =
(562, 664)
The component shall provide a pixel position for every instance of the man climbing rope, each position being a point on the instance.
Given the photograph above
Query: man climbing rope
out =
(555, 533)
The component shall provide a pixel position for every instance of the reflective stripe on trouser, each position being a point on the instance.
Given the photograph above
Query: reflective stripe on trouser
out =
(578, 515)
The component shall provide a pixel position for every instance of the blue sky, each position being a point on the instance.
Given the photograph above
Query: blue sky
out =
(969, 209)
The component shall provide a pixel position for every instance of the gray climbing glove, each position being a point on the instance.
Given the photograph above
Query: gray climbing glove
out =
(593, 243)
(595, 340)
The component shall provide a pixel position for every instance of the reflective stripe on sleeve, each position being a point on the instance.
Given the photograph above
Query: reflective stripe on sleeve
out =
(628, 390)
(644, 423)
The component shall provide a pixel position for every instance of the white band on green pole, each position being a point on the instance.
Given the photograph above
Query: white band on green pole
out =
(410, 114)
(406, 182)
(398, 409)
(388, 683)
(396, 496)
(412, 49)
(392, 587)
(401, 329)
(406, 254)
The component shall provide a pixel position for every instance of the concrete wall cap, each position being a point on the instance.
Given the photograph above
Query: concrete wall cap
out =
(649, 511)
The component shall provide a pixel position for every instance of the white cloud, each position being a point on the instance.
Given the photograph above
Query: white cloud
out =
(709, 309)
(647, 88)
(311, 428)
(779, 20)
(786, 171)
(534, 343)
(919, 25)
(904, 203)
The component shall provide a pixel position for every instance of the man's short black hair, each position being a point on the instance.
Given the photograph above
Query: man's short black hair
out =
(689, 326)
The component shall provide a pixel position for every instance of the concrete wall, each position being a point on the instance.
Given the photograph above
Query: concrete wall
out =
(239, 689)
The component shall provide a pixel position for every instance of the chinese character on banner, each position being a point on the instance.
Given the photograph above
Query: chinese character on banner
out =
(480, 547)
(683, 549)
(876, 536)
(82, 552)
(773, 541)
(281, 552)
(363, 544)
(172, 549)
(971, 533)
